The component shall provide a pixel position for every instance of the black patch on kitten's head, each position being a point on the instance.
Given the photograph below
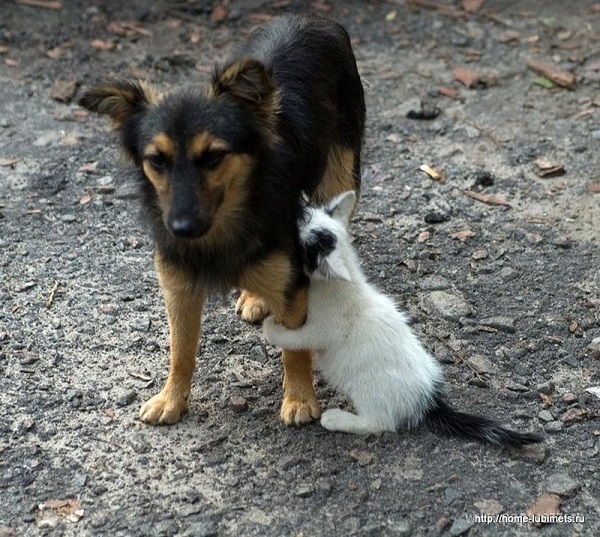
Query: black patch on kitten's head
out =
(318, 243)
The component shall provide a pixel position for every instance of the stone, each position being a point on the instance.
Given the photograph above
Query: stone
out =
(489, 507)
(238, 403)
(434, 283)
(451, 494)
(126, 399)
(594, 346)
(461, 525)
(447, 305)
(553, 427)
(480, 364)
(503, 324)
(546, 415)
(562, 484)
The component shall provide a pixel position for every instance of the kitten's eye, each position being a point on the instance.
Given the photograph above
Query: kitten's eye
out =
(158, 161)
(209, 160)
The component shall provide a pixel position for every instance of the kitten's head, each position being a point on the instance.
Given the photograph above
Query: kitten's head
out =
(325, 241)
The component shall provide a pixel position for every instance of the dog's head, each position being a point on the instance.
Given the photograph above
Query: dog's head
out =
(197, 151)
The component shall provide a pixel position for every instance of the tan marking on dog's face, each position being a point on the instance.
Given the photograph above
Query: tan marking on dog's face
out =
(338, 177)
(225, 192)
(164, 145)
(205, 142)
(161, 146)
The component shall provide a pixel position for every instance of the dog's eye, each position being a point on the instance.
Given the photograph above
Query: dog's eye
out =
(158, 161)
(209, 160)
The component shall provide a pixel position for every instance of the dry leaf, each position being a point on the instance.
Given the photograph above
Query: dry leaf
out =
(574, 415)
(463, 235)
(594, 188)
(467, 77)
(320, 6)
(127, 29)
(92, 167)
(45, 4)
(478, 255)
(546, 400)
(12, 63)
(85, 199)
(3, 49)
(64, 90)
(510, 37)
(69, 509)
(391, 16)
(363, 458)
(218, 14)
(448, 92)
(6, 162)
(487, 198)
(424, 236)
(549, 169)
(551, 72)
(99, 44)
(546, 504)
(55, 52)
(472, 6)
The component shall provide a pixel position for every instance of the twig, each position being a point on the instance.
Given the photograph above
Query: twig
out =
(52, 294)
(121, 446)
(45, 4)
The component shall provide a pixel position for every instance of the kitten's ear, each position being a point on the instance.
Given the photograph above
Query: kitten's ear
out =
(341, 206)
(333, 267)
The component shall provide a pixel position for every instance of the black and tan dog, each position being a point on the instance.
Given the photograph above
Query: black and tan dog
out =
(221, 174)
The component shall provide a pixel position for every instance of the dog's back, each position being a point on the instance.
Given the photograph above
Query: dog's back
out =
(322, 101)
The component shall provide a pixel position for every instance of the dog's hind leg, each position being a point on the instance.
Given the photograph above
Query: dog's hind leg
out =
(184, 303)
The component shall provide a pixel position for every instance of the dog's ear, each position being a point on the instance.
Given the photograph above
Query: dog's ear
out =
(251, 82)
(119, 100)
(341, 206)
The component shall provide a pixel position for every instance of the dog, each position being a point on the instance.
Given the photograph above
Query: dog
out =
(220, 175)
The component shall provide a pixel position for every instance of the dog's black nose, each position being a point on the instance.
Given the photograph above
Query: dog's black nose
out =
(189, 228)
(182, 228)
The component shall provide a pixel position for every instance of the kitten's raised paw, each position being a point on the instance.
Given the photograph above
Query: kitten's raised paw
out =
(162, 409)
(298, 412)
(251, 308)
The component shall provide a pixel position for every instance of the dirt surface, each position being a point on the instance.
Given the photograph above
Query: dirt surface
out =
(504, 288)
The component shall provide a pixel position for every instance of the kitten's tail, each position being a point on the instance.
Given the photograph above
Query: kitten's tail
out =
(442, 419)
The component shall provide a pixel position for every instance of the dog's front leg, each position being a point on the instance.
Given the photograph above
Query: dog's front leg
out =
(184, 303)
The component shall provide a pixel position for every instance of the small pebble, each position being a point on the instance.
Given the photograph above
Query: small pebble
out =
(562, 484)
(238, 403)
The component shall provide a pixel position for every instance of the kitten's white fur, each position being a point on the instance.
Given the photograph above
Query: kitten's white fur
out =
(363, 344)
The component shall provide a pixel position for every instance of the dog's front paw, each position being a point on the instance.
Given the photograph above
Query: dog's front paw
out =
(251, 308)
(297, 412)
(163, 409)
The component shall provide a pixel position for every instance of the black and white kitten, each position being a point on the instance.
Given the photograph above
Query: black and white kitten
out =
(364, 346)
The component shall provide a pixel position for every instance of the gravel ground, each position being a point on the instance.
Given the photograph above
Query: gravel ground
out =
(503, 287)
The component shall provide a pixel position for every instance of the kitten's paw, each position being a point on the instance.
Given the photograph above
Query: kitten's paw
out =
(163, 409)
(336, 419)
(298, 412)
(251, 308)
